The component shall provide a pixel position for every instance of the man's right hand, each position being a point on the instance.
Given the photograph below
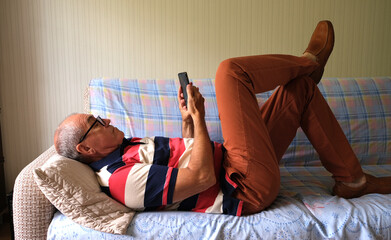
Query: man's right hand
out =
(195, 102)
(194, 111)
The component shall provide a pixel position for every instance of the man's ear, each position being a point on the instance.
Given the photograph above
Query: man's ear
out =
(85, 149)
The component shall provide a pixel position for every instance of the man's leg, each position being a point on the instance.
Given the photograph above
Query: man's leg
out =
(300, 103)
(256, 139)
(251, 159)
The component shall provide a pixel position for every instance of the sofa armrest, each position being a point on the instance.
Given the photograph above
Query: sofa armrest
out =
(32, 211)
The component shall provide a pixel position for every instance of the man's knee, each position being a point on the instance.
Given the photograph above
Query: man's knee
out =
(263, 196)
(229, 72)
(270, 189)
(301, 90)
(228, 67)
(273, 190)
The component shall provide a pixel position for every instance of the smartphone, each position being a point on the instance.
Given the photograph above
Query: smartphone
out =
(184, 80)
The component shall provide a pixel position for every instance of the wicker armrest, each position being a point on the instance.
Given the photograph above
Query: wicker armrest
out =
(32, 212)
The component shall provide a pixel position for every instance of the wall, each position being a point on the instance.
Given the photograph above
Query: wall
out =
(49, 50)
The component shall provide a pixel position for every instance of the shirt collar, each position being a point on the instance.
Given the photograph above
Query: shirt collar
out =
(113, 156)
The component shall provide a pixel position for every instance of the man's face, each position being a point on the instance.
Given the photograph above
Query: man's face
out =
(103, 139)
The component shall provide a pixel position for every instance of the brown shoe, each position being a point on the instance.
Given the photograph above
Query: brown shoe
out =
(321, 45)
(373, 185)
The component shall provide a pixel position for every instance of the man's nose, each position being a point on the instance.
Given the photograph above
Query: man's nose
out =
(107, 122)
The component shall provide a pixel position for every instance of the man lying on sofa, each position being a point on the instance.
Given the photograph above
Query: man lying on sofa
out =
(242, 176)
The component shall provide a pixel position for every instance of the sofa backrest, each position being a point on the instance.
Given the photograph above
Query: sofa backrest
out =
(150, 108)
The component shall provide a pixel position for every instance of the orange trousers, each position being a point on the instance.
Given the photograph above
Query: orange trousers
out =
(256, 139)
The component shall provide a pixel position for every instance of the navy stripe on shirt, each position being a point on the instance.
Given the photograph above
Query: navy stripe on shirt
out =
(162, 151)
(113, 161)
(189, 203)
(106, 190)
(230, 205)
(155, 186)
(113, 157)
(171, 185)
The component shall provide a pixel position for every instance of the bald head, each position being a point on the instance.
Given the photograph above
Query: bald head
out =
(101, 138)
(68, 134)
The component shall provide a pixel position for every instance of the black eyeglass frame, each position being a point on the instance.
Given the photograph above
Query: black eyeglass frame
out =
(99, 120)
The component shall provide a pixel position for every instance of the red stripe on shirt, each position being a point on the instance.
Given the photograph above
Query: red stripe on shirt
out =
(177, 147)
(240, 207)
(166, 184)
(131, 154)
(207, 198)
(233, 184)
(117, 182)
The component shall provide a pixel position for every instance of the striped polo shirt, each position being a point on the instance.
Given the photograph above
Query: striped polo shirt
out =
(142, 173)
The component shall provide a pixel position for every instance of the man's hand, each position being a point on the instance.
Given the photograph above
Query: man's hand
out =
(195, 109)
(195, 102)
(186, 117)
(199, 175)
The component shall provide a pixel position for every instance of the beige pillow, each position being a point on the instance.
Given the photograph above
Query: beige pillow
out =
(74, 190)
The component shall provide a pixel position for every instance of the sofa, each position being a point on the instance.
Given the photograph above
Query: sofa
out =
(304, 209)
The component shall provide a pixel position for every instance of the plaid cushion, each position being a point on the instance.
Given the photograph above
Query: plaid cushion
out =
(150, 108)
(362, 106)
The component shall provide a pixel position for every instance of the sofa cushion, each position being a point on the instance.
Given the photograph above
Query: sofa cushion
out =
(304, 209)
(74, 190)
(149, 108)
(143, 108)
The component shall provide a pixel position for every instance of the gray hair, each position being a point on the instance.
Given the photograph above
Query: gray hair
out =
(67, 137)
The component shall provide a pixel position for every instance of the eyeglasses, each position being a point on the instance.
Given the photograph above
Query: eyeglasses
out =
(99, 120)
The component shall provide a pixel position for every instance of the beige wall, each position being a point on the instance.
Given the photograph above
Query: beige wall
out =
(50, 49)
